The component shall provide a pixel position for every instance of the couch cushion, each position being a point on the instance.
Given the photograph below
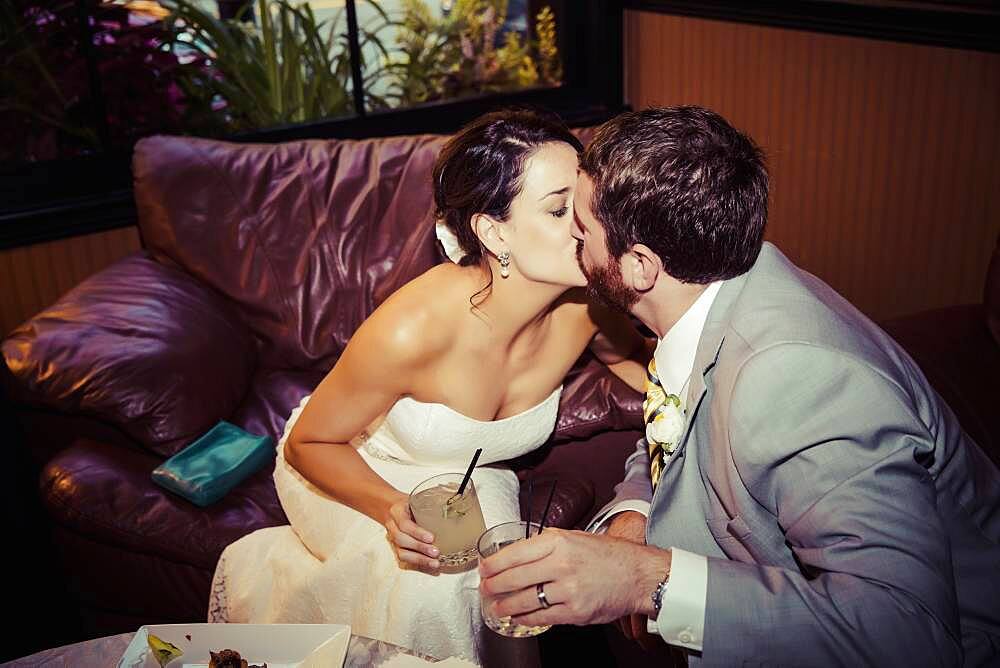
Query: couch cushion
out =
(270, 399)
(593, 401)
(104, 492)
(572, 498)
(138, 345)
(297, 234)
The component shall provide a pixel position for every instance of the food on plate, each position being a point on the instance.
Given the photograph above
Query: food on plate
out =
(229, 658)
(163, 651)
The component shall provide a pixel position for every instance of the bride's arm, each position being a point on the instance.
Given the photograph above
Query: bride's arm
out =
(380, 363)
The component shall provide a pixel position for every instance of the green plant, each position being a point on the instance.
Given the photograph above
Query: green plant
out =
(192, 72)
(48, 108)
(548, 53)
(458, 54)
(24, 71)
(291, 68)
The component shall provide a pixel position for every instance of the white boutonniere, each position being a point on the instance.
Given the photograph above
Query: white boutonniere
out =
(668, 425)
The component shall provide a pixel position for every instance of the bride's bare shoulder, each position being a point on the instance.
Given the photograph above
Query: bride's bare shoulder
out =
(420, 320)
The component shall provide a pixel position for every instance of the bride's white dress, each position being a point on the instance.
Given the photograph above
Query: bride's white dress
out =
(336, 565)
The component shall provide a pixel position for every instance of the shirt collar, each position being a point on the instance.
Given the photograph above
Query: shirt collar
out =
(676, 351)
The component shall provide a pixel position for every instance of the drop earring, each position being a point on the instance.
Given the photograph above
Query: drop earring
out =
(504, 258)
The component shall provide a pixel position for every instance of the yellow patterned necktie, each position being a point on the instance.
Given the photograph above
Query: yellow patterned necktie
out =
(653, 407)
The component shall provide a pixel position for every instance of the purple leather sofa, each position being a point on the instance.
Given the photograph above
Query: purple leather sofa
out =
(259, 262)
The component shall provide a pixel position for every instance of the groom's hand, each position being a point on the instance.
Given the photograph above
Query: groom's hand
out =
(587, 579)
(631, 526)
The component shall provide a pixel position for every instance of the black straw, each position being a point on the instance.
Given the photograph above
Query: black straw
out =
(545, 514)
(531, 498)
(468, 474)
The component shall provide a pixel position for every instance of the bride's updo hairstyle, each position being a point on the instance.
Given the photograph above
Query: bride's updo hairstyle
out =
(480, 169)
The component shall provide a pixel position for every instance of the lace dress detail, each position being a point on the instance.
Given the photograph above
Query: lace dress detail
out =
(336, 565)
(217, 607)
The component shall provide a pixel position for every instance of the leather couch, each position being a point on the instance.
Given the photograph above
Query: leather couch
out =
(259, 262)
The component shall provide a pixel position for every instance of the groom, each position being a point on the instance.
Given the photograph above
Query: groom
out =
(810, 500)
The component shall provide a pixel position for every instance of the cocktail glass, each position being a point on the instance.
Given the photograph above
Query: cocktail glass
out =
(492, 541)
(456, 520)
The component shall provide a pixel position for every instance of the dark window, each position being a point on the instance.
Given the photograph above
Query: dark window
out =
(82, 80)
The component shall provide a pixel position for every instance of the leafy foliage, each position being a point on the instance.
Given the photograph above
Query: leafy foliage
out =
(459, 55)
(290, 69)
(192, 72)
(46, 106)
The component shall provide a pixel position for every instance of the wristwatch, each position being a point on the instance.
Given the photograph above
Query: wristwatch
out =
(657, 595)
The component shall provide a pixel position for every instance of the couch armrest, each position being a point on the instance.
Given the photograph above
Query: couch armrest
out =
(138, 345)
(593, 401)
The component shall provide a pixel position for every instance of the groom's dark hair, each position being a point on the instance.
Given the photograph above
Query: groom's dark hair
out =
(685, 183)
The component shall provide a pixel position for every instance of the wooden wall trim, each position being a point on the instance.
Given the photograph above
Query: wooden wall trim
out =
(67, 218)
(34, 277)
(956, 27)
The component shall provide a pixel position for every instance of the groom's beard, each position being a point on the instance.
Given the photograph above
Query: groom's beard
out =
(606, 283)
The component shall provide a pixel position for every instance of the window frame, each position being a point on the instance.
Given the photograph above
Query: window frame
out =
(55, 199)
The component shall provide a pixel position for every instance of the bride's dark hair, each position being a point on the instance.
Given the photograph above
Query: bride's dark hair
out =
(480, 169)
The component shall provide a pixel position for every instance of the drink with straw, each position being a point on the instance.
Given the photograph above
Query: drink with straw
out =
(453, 516)
(492, 542)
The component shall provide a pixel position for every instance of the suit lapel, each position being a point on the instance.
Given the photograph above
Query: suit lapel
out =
(709, 345)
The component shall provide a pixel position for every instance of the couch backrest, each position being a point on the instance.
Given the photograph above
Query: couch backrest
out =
(298, 235)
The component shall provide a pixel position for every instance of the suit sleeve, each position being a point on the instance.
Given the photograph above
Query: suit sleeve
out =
(635, 491)
(833, 449)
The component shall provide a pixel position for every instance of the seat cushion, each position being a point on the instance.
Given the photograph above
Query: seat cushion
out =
(104, 492)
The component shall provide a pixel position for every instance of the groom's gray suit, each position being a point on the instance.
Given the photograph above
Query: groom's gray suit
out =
(847, 518)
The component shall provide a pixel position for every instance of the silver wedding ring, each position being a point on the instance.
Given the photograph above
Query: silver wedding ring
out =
(541, 596)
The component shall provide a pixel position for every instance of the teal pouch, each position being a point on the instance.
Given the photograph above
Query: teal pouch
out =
(207, 469)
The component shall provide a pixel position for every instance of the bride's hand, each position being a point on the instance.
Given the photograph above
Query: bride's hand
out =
(413, 544)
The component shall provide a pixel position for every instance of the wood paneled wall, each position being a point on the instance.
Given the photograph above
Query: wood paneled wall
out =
(33, 277)
(884, 157)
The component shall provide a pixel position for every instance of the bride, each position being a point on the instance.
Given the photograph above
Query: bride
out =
(467, 355)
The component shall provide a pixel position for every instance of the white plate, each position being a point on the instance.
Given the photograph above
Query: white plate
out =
(279, 645)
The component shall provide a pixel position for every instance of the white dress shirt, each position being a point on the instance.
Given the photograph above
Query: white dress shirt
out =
(682, 614)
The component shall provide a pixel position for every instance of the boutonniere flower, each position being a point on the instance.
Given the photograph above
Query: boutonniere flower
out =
(668, 425)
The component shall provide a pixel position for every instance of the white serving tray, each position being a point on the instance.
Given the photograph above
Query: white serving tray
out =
(279, 645)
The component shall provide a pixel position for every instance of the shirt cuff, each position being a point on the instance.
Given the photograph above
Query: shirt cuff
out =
(682, 614)
(600, 524)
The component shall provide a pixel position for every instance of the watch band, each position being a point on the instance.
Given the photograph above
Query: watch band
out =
(657, 595)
